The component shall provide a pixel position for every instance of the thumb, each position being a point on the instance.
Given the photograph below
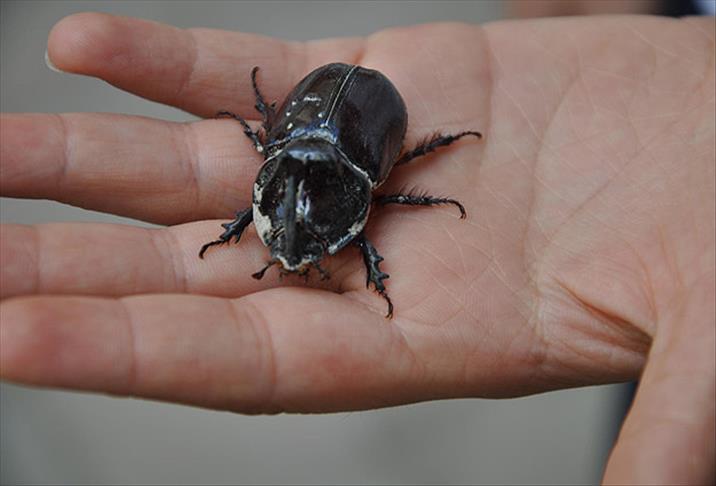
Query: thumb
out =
(668, 436)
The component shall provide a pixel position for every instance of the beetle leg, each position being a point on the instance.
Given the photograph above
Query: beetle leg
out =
(372, 259)
(266, 110)
(323, 272)
(433, 143)
(419, 200)
(260, 274)
(253, 136)
(233, 229)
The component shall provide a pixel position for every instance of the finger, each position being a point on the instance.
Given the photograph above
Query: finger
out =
(199, 70)
(118, 260)
(132, 166)
(279, 350)
(668, 436)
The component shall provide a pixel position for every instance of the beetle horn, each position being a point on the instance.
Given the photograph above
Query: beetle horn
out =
(289, 218)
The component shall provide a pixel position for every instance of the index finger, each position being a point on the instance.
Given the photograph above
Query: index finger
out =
(201, 71)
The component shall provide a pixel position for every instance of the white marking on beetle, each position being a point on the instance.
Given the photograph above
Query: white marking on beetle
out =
(324, 134)
(270, 159)
(353, 231)
(289, 126)
(262, 223)
(284, 263)
(321, 133)
(355, 167)
(358, 226)
(312, 98)
(338, 93)
(320, 114)
(303, 204)
(361, 171)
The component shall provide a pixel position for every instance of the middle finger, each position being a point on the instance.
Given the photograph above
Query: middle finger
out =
(198, 70)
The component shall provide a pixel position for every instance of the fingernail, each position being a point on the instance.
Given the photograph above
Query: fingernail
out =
(50, 65)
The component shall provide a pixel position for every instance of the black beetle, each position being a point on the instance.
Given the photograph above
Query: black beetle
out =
(332, 142)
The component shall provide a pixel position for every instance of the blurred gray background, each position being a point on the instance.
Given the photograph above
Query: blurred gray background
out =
(72, 438)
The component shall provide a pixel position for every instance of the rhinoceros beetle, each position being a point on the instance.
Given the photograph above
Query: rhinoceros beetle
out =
(332, 142)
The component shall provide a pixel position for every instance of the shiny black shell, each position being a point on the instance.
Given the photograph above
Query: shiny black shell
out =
(358, 110)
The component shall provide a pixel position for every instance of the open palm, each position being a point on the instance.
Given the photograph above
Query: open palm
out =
(590, 220)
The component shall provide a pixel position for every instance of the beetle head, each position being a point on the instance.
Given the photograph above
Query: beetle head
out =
(308, 202)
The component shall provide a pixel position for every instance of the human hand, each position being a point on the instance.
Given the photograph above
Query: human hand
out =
(589, 240)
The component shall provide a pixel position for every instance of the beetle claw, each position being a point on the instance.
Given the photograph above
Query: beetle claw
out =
(389, 315)
(260, 274)
(324, 273)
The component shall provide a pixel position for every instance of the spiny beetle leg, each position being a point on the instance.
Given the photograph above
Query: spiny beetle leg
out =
(372, 260)
(253, 136)
(419, 200)
(232, 229)
(266, 110)
(433, 143)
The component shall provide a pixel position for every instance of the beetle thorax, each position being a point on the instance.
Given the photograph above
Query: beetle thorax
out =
(308, 202)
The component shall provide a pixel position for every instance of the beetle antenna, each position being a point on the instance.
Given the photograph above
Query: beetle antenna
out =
(260, 274)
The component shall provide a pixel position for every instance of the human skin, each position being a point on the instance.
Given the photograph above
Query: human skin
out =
(587, 256)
